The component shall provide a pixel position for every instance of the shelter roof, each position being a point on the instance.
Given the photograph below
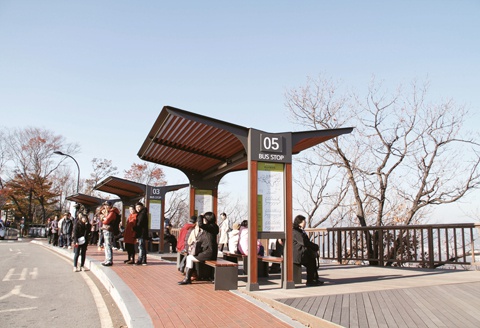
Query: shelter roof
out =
(86, 200)
(204, 146)
(124, 189)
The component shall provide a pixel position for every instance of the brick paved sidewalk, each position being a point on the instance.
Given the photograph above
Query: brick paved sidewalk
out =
(195, 305)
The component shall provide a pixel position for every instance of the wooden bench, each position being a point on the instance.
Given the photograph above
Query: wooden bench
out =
(226, 274)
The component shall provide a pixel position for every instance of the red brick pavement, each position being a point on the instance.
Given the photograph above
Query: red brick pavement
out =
(195, 305)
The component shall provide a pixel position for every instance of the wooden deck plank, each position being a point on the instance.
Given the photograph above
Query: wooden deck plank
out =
(411, 309)
(377, 309)
(329, 308)
(421, 309)
(353, 321)
(372, 321)
(409, 317)
(322, 307)
(468, 299)
(308, 304)
(392, 316)
(345, 311)
(362, 315)
(337, 309)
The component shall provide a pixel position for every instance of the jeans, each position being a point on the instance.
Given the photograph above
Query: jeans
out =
(108, 236)
(142, 250)
(80, 250)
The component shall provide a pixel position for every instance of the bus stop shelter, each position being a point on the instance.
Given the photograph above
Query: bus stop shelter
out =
(131, 192)
(205, 149)
(89, 202)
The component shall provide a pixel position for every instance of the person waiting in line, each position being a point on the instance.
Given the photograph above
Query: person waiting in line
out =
(206, 245)
(81, 232)
(110, 214)
(233, 238)
(67, 230)
(224, 227)
(141, 232)
(54, 230)
(243, 238)
(61, 239)
(170, 239)
(305, 251)
(129, 235)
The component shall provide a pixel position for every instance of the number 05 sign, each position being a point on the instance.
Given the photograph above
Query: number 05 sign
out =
(268, 147)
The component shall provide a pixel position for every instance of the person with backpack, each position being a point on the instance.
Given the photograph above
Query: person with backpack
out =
(111, 215)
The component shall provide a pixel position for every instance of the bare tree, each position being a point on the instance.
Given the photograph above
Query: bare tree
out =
(102, 168)
(403, 156)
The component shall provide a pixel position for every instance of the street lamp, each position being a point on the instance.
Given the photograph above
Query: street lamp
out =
(78, 167)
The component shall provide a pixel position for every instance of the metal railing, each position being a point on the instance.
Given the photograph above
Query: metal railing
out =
(427, 246)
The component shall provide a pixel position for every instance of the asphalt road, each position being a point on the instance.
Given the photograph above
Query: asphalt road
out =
(38, 288)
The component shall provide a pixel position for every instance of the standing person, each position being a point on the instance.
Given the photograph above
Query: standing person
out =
(67, 229)
(206, 247)
(141, 232)
(81, 232)
(224, 227)
(48, 230)
(305, 251)
(129, 235)
(54, 229)
(110, 214)
(61, 240)
(94, 230)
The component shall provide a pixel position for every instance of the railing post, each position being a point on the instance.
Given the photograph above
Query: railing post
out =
(431, 252)
(339, 246)
(380, 248)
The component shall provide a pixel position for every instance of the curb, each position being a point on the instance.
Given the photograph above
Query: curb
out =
(130, 306)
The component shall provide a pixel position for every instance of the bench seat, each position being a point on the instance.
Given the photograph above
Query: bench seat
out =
(226, 274)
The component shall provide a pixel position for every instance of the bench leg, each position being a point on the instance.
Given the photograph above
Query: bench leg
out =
(297, 273)
(226, 278)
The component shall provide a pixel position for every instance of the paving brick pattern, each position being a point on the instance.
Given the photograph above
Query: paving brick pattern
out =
(195, 305)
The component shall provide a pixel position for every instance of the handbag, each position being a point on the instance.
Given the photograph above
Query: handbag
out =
(81, 240)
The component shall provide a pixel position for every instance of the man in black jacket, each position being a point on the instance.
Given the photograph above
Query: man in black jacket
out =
(141, 233)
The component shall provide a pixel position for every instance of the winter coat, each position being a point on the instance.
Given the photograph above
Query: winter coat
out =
(224, 226)
(109, 221)
(304, 250)
(141, 228)
(207, 241)
(81, 229)
(129, 233)
(182, 236)
(243, 241)
(67, 227)
(233, 241)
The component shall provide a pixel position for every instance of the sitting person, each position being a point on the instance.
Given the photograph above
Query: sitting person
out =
(233, 238)
(182, 244)
(305, 251)
(243, 240)
(206, 245)
(170, 239)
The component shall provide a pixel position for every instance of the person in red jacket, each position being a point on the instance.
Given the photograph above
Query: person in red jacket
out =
(110, 219)
(129, 235)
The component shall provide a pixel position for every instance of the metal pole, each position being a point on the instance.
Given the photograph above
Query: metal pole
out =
(78, 167)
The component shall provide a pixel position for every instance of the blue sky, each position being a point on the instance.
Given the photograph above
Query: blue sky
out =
(99, 72)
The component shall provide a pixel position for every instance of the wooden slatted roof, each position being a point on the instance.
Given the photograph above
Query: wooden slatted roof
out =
(205, 147)
(85, 200)
(125, 189)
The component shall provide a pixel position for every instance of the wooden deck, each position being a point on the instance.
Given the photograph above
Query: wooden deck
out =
(383, 297)
(455, 305)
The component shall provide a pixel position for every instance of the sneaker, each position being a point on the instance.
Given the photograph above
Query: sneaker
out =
(69, 247)
(84, 269)
(107, 264)
(126, 261)
(130, 262)
(145, 263)
(75, 269)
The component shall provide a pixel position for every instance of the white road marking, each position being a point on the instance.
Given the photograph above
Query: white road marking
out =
(16, 291)
(105, 319)
(34, 273)
(10, 273)
(22, 309)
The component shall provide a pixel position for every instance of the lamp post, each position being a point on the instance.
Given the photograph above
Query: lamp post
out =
(78, 167)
